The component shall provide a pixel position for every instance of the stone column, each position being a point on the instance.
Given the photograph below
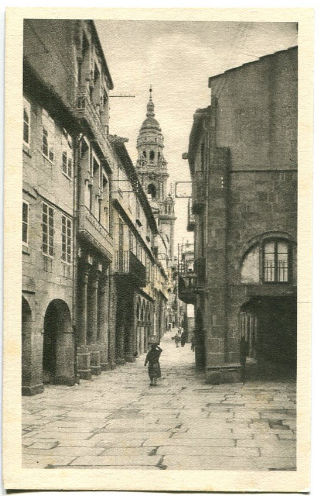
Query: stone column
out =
(112, 287)
(103, 324)
(83, 355)
(95, 352)
(83, 313)
(219, 368)
(130, 321)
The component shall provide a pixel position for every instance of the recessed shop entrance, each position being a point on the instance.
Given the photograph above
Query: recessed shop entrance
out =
(58, 345)
(270, 327)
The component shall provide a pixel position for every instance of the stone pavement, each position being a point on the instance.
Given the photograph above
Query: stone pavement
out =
(118, 421)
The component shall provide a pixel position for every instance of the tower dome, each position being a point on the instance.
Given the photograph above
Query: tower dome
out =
(150, 131)
(153, 173)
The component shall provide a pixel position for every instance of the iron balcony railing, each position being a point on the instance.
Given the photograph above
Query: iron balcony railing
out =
(85, 109)
(128, 265)
(94, 232)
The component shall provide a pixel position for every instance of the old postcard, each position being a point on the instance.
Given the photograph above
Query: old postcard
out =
(158, 179)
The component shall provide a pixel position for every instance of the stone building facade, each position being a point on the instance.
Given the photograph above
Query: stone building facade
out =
(48, 224)
(243, 162)
(75, 303)
(139, 278)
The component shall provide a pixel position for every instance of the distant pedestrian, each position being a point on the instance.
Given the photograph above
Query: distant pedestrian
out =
(152, 359)
(244, 349)
(193, 342)
(184, 337)
(177, 339)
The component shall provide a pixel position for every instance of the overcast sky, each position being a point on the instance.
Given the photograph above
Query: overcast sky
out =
(177, 58)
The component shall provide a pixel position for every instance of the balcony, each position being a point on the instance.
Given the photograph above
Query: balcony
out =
(94, 233)
(191, 218)
(84, 109)
(128, 267)
(187, 287)
(200, 270)
(198, 192)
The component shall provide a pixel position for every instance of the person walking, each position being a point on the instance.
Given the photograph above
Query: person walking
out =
(244, 349)
(184, 337)
(177, 339)
(193, 342)
(152, 359)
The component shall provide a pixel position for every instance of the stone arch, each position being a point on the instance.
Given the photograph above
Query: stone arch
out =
(260, 238)
(152, 190)
(58, 344)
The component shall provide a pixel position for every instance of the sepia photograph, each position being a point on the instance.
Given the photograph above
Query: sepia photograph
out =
(159, 247)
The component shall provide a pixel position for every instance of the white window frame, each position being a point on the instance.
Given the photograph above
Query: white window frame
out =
(48, 129)
(49, 251)
(25, 243)
(27, 108)
(68, 152)
(106, 197)
(66, 239)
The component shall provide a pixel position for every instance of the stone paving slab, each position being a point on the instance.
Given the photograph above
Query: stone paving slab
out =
(132, 452)
(118, 421)
(117, 460)
(210, 451)
(180, 441)
(42, 461)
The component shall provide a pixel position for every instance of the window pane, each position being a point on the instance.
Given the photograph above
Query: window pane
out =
(269, 267)
(282, 247)
(25, 212)
(269, 247)
(24, 233)
(283, 261)
(26, 132)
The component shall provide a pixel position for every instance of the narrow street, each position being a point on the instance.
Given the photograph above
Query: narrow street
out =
(119, 421)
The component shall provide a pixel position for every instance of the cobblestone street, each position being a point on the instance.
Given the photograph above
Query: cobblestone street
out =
(119, 421)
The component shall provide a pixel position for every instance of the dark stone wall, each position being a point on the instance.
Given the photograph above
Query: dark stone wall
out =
(48, 46)
(252, 188)
(257, 112)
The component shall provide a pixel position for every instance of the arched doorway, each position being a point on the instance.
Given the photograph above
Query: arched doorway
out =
(26, 319)
(270, 326)
(58, 345)
(200, 354)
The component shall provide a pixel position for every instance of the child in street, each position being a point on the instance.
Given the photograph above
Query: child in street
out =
(152, 359)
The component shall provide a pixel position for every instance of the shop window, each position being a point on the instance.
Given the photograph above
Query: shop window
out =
(66, 239)
(47, 229)
(25, 223)
(26, 122)
(48, 129)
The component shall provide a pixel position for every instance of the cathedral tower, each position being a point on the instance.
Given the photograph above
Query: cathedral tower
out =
(153, 174)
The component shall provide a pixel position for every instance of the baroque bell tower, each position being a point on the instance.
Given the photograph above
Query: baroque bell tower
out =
(153, 174)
